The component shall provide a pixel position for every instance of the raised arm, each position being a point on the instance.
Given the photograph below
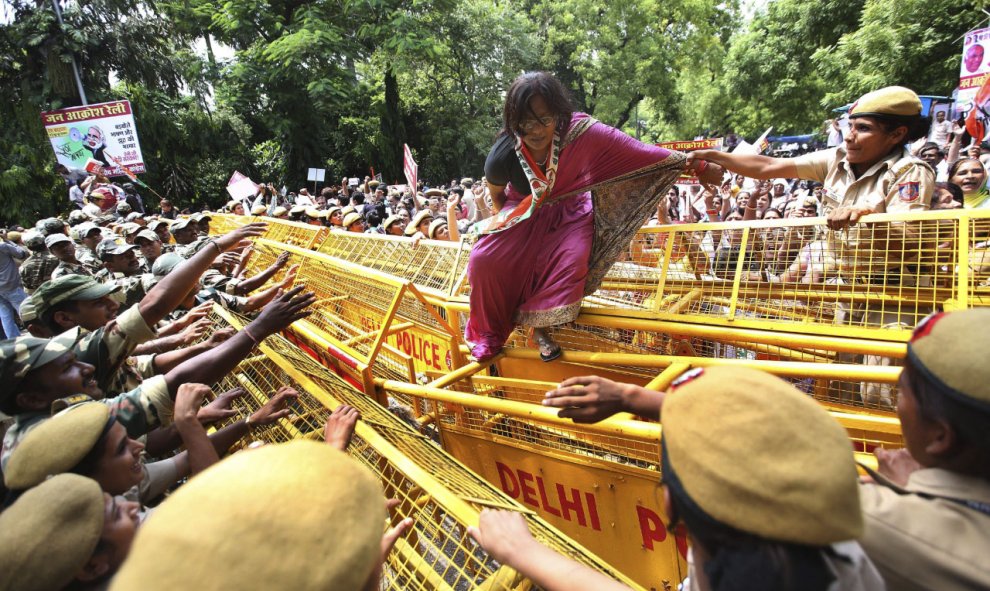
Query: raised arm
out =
(172, 289)
(252, 283)
(209, 367)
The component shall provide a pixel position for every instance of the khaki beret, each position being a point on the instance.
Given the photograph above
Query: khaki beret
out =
(435, 225)
(351, 218)
(413, 226)
(891, 101)
(279, 211)
(56, 445)
(949, 350)
(50, 533)
(756, 454)
(222, 531)
(258, 210)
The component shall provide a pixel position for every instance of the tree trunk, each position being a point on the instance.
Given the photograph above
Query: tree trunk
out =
(393, 130)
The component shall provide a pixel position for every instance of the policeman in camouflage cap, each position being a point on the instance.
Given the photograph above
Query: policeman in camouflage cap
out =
(50, 226)
(39, 266)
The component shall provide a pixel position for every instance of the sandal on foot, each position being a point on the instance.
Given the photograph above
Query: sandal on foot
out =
(549, 350)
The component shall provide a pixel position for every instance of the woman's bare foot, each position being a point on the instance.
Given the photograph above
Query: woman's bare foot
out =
(340, 426)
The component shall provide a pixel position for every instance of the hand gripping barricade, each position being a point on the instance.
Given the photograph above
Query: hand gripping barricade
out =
(828, 311)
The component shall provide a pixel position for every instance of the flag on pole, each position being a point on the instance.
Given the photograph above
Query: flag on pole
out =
(409, 167)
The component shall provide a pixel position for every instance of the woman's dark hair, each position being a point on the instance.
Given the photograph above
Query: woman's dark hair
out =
(763, 215)
(738, 559)
(956, 190)
(971, 425)
(527, 86)
(954, 167)
(917, 126)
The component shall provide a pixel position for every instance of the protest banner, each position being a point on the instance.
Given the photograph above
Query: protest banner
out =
(104, 132)
(974, 67)
(241, 187)
(714, 143)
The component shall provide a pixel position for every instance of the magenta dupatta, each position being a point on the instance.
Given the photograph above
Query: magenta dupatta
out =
(546, 250)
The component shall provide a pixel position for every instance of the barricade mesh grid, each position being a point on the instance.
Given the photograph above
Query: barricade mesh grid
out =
(437, 553)
(432, 264)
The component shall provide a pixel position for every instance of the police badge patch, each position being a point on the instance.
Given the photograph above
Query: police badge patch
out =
(909, 192)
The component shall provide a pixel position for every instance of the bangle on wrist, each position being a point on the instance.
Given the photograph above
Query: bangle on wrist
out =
(702, 165)
(213, 241)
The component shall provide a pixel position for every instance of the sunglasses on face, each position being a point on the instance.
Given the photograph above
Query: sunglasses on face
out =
(530, 124)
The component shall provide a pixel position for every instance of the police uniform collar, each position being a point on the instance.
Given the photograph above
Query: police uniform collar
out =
(887, 161)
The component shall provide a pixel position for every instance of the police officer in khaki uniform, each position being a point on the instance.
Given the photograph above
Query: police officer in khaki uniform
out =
(927, 515)
(872, 172)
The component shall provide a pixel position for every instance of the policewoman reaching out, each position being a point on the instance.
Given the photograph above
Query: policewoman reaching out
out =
(871, 172)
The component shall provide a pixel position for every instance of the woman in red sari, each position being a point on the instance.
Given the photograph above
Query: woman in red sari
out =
(570, 193)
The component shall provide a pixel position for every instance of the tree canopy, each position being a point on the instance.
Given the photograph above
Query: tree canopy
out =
(343, 84)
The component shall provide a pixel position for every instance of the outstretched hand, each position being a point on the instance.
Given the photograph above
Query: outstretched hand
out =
(246, 232)
(275, 408)
(281, 312)
(503, 534)
(587, 399)
(219, 409)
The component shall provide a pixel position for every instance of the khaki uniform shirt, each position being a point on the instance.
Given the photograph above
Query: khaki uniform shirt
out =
(925, 543)
(899, 183)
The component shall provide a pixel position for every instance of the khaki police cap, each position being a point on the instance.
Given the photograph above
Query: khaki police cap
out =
(297, 209)
(467, 182)
(347, 210)
(21, 355)
(351, 218)
(434, 192)
(70, 287)
(222, 529)
(333, 210)
(279, 211)
(393, 219)
(124, 207)
(314, 213)
(56, 445)
(258, 210)
(435, 226)
(950, 350)
(231, 204)
(50, 533)
(894, 101)
(373, 184)
(756, 454)
(413, 226)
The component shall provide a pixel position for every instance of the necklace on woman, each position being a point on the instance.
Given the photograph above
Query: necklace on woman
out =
(545, 158)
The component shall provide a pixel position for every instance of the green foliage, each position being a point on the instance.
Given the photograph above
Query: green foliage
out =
(344, 83)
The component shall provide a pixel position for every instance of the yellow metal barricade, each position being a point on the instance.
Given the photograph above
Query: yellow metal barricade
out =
(439, 493)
